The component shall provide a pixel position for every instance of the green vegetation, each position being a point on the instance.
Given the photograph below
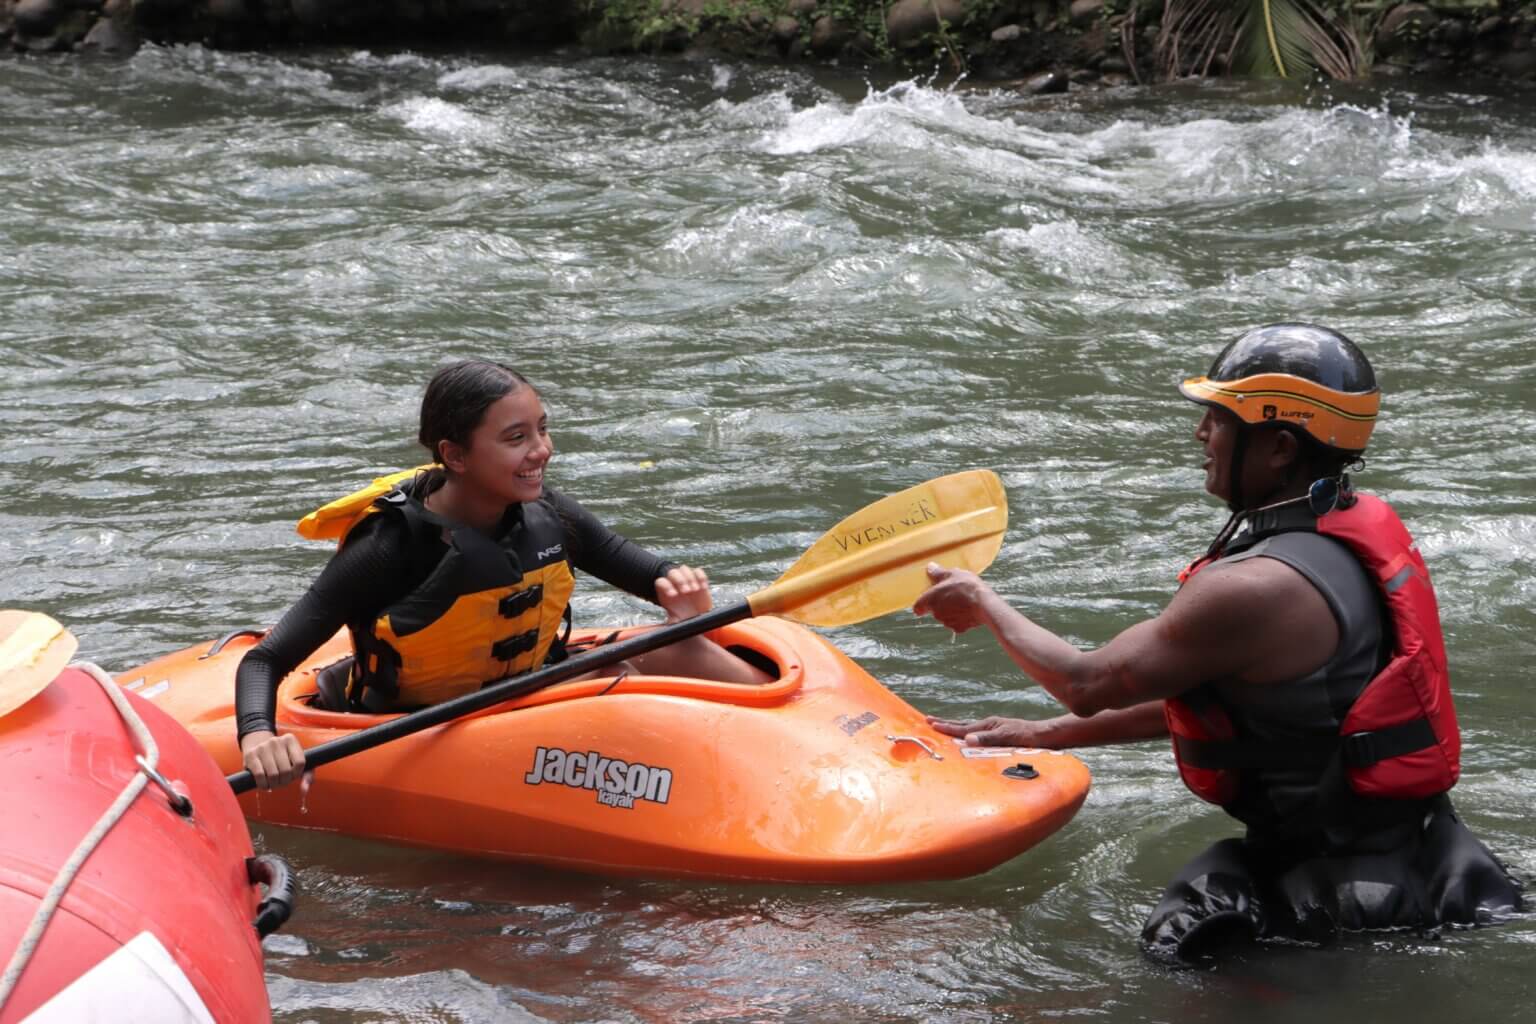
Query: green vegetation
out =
(1265, 38)
(651, 25)
(1146, 40)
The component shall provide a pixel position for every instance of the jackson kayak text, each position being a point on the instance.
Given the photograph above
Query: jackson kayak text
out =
(617, 783)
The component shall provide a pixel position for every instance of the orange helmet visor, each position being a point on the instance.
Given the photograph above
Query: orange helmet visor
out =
(1338, 419)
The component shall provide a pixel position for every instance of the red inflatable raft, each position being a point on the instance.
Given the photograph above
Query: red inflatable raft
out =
(157, 926)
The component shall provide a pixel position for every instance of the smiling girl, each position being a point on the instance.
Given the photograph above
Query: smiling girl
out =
(462, 574)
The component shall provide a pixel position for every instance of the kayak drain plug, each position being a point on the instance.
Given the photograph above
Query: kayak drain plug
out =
(1021, 771)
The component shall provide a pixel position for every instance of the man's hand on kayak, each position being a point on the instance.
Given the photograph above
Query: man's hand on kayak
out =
(955, 599)
(996, 732)
(1064, 732)
(684, 593)
(272, 760)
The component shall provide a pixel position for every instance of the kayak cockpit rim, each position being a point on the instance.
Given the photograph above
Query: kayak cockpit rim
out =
(297, 692)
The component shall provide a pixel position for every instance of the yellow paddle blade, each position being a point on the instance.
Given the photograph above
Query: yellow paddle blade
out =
(875, 561)
(33, 650)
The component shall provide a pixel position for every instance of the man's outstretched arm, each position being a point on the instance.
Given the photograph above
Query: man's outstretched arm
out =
(1127, 725)
(1256, 621)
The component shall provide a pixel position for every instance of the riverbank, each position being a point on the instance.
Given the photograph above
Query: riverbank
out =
(1046, 45)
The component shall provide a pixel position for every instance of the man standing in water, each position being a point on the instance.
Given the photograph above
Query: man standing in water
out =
(1300, 670)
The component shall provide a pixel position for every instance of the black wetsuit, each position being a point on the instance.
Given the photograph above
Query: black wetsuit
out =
(381, 563)
(1318, 858)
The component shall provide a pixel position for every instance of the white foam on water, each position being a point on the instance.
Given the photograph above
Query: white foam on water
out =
(1065, 245)
(1191, 150)
(451, 995)
(394, 60)
(1337, 148)
(221, 69)
(257, 69)
(301, 181)
(1503, 540)
(769, 109)
(753, 234)
(1371, 153)
(489, 76)
(1305, 280)
(440, 119)
(1492, 181)
(936, 127)
(905, 115)
(918, 272)
(828, 126)
(721, 77)
(284, 944)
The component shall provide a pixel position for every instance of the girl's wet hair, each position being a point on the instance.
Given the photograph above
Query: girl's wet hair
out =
(454, 404)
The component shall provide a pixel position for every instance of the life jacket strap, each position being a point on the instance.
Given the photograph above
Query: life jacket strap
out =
(1207, 755)
(375, 673)
(560, 648)
(332, 683)
(1363, 749)
(1251, 754)
(1359, 750)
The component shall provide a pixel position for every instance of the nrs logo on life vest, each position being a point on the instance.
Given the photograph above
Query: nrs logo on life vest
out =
(617, 783)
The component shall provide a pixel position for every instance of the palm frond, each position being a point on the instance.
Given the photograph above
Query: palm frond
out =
(1269, 38)
(1192, 34)
(1337, 48)
(1274, 40)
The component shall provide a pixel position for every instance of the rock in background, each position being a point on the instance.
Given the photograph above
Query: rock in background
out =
(1044, 46)
(118, 26)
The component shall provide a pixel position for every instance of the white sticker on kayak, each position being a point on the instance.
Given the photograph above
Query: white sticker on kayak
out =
(617, 783)
(154, 691)
(140, 983)
(1003, 751)
(851, 724)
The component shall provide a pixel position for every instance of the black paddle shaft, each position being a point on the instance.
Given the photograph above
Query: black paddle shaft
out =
(508, 689)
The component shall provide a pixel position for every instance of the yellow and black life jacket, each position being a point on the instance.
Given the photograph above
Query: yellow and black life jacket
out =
(487, 609)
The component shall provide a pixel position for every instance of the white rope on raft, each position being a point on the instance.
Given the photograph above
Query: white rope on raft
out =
(151, 751)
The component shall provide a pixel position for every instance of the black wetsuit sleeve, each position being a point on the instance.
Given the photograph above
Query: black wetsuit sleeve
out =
(371, 572)
(612, 558)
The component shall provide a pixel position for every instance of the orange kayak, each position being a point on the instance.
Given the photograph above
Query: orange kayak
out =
(821, 776)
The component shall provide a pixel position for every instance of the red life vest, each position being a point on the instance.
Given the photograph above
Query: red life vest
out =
(1399, 738)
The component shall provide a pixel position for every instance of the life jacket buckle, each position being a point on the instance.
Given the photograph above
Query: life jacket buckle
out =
(516, 604)
(510, 647)
(1360, 750)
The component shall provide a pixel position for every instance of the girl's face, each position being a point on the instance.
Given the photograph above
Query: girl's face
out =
(508, 451)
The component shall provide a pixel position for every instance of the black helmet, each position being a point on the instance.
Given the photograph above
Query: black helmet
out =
(1300, 375)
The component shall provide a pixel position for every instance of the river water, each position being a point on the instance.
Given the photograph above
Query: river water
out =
(755, 299)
